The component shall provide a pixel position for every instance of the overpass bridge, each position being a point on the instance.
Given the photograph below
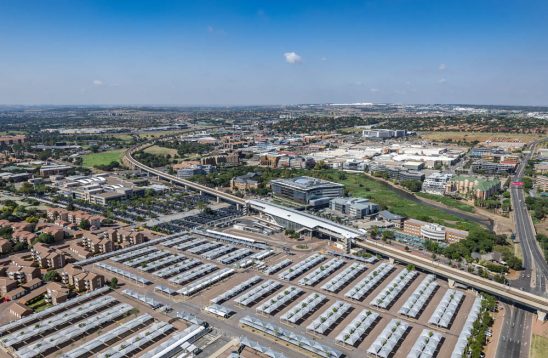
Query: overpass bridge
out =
(526, 299)
(523, 298)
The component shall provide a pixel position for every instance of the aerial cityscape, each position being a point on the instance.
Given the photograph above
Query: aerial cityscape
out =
(269, 180)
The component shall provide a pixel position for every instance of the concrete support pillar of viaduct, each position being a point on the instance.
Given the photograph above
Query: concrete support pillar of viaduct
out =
(218, 200)
(541, 316)
(451, 282)
(237, 206)
(391, 260)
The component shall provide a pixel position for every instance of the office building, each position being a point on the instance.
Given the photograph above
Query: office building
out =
(436, 183)
(434, 232)
(307, 190)
(384, 133)
(355, 208)
(196, 170)
(486, 167)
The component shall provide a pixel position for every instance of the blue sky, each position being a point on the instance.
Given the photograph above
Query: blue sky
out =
(273, 52)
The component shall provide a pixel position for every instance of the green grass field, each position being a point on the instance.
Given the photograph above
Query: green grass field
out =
(359, 185)
(39, 305)
(452, 203)
(103, 158)
(539, 346)
(157, 150)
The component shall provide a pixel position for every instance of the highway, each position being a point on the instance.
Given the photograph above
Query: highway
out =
(516, 329)
(535, 266)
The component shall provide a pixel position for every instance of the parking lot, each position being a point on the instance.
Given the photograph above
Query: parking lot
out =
(351, 306)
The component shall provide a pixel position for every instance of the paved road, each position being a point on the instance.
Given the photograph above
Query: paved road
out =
(534, 263)
(516, 332)
(516, 329)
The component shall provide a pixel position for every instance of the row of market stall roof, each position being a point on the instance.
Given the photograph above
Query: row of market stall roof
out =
(278, 266)
(189, 275)
(84, 327)
(392, 290)
(246, 342)
(427, 345)
(236, 290)
(279, 301)
(42, 327)
(388, 339)
(28, 320)
(87, 349)
(291, 337)
(330, 317)
(344, 277)
(304, 308)
(205, 282)
(257, 293)
(301, 267)
(466, 331)
(414, 305)
(135, 343)
(322, 272)
(356, 330)
(446, 309)
(124, 273)
(146, 299)
(369, 282)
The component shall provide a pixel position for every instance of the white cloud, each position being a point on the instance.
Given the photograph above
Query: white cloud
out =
(442, 67)
(210, 29)
(323, 59)
(374, 90)
(292, 57)
(442, 80)
(97, 82)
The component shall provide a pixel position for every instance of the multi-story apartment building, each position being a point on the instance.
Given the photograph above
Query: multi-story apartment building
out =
(475, 187)
(81, 280)
(97, 244)
(47, 257)
(245, 182)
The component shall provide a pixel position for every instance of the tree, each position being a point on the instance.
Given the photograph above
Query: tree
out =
(412, 185)
(52, 276)
(26, 188)
(388, 235)
(374, 232)
(85, 224)
(113, 283)
(44, 238)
